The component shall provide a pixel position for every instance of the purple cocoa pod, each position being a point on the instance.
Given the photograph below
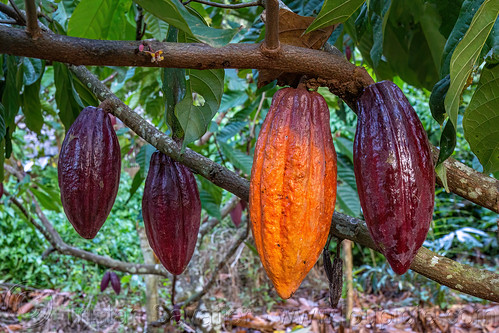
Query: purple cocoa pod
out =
(89, 171)
(394, 172)
(172, 212)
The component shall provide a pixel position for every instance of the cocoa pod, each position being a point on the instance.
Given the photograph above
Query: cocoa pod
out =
(1, 190)
(105, 281)
(236, 214)
(115, 283)
(171, 209)
(292, 187)
(89, 171)
(394, 173)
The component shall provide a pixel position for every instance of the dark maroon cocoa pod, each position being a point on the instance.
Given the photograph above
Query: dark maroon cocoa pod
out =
(105, 281)
(89, 171)
(171, 209)
(394, 172)
(1, 190)
(115, 283)
(236, 214)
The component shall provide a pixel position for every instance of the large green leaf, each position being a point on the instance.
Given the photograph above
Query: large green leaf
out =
(195, 115)
(174, 13)
(32, 107)
(32, 70)
(13, 83)
(99, 19)
(174, 87)
(380, 10)
(334, 11)
(68, 101)
(481, 120)
(466, 54)
(157, 27)
(468, 10)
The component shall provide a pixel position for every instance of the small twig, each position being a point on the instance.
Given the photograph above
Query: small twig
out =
(18, 11)
(174, 282)
(10, 12)
(271, 43)
(110, 77)
(228, 6)
(32, 18)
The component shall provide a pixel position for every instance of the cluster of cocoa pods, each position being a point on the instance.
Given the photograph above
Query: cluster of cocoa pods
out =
(293, 180)
(292, 187)
(89, 172)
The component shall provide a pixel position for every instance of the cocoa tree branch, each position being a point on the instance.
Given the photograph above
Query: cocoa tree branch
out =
(461, 277)
(32, 19)
(47, 230)
(350, 79)
(227, 6)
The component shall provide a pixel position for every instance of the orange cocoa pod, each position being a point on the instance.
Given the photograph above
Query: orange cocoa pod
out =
(293, 187)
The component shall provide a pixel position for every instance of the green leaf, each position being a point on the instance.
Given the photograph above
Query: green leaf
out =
(10, 97)
(174, 87)
(138, 179)
(45, 200)
(195, 115)
(468, 10)
(379, 17)
(157, 27)
(103, 19)
(211, 197)
(32, 70)
(345, 147)
(481, 120)
(447, 142)
(65, 95)
(346, 194)
(174, 13)
(32, 107)
(143, 158)
(334, 11)
(238, 159)
(466, 54)
(437, 99)
(2, 123)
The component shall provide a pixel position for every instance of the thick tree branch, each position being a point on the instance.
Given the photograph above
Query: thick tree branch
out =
(480, 283)
(470, 184)
(56, 241)
(467, 279)
(32, 19)
(346, 80)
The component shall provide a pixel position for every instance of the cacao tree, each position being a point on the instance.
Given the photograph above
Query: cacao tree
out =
(171, 72)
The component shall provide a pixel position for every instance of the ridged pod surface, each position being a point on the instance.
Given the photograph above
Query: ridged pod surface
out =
(394, 172)
(293, 187)
(171, 208)
(89, 171)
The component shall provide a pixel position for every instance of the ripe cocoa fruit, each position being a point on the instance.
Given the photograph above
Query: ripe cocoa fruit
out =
(171, 209)
(394, 173)
(89, 171)
(292, 187)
